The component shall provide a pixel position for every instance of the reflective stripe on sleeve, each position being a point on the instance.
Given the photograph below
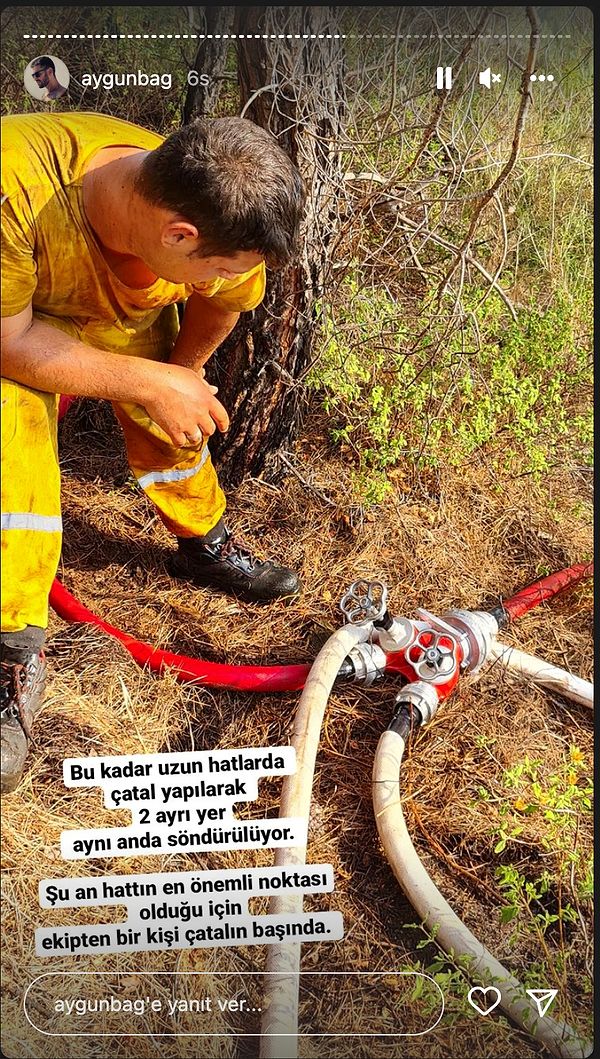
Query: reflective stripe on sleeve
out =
(153, 477)
(26, 521)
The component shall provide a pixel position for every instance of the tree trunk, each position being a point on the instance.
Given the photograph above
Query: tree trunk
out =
(295, 90)
(210, 59)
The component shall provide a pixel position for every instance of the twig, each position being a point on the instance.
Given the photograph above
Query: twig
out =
(307, 485)
(502, 215)
(471, 261)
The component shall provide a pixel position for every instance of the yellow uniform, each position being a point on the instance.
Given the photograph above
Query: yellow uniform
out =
(50, 257)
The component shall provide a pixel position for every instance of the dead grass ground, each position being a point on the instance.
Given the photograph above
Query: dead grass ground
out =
(457, 538)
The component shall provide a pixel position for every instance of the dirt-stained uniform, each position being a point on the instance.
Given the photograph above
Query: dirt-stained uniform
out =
(50, 256)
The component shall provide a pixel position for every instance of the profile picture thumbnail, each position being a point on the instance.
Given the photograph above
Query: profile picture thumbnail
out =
(46, 77)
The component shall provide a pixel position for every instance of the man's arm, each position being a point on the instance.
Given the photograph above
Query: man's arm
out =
(45, 358)
(203, 328)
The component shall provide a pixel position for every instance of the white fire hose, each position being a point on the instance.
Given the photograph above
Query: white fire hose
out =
(535, 669)
(279, 1026)
(438, 916)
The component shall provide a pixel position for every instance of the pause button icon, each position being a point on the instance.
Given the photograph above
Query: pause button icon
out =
(443, 78)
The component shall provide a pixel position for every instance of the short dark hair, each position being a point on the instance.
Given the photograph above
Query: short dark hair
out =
(45, 61)
(232, 181)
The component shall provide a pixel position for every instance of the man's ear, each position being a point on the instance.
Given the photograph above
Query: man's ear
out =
(177, 233)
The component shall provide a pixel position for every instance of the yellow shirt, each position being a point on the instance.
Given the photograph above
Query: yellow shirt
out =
(50, 255)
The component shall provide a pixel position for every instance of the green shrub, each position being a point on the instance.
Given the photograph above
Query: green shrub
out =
(521, 396)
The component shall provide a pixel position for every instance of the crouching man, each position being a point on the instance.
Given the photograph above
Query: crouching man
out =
(105, 226)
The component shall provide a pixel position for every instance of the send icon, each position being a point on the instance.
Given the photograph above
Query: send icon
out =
(542, 999)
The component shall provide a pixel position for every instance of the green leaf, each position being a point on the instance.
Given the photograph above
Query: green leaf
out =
(508, 913)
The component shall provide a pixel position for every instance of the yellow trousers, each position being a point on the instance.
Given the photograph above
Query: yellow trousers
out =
(181, 483)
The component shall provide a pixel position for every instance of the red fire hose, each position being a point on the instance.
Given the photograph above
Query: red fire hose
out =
(544, 589)
(242, 678)
(273, 678)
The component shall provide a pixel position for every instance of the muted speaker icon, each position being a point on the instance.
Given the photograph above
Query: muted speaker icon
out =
(487, 78)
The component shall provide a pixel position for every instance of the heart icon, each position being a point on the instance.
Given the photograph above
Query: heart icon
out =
(490, 996)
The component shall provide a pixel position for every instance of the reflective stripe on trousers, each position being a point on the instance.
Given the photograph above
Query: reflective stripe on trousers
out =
(181, 483)
(31, 522)
(21, 520)
(155, 477)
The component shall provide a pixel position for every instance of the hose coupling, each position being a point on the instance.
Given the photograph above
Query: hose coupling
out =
(478, 629)
(368, 660)
(399, 634)
(364, 602)
(418, 695)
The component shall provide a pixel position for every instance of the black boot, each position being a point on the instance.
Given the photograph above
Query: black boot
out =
(22, 681)
(219, 560)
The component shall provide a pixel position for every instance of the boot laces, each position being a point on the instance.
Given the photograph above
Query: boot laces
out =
(14, 683)
(234, 548)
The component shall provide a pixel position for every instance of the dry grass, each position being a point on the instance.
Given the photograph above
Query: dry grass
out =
(459, 538)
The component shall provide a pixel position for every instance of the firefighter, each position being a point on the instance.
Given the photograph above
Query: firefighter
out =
(105, 227)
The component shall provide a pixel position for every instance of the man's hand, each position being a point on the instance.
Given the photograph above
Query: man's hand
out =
(182, 404)
(178, 399)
